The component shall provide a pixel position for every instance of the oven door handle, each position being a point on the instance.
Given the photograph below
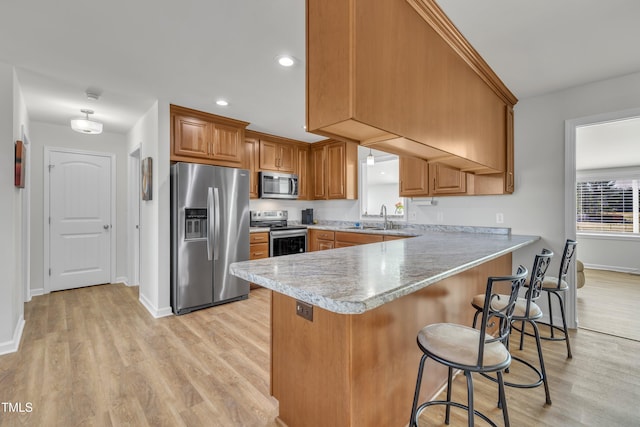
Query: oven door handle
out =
(288, 233)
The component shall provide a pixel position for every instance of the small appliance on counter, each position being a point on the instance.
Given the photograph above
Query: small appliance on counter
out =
(307, 216)
(284, 239)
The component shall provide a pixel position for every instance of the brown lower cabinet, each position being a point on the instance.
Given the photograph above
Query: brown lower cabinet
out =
(320, 240)
(258, 249)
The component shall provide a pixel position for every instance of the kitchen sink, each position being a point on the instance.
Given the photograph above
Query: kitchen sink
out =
(364, 228)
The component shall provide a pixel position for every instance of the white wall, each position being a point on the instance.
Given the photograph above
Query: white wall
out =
(12, 118)
(49, 135)
(610, 253)
(151, 133)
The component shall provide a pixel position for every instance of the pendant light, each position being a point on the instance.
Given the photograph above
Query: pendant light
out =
(86, 125)
(370, 159)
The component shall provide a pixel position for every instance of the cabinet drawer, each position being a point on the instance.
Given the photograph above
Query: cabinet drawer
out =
(258, 238)
(259, 250)
(325, 235)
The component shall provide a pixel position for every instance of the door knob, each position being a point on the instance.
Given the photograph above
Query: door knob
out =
(106, 227)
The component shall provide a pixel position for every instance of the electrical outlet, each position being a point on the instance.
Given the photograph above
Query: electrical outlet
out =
(304, 310)
(413, 216)
(499, 218)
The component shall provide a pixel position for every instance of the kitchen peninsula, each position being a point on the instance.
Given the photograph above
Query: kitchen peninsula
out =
(354, 363)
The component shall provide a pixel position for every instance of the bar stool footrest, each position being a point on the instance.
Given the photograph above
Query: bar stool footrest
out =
(534, 384)
(424, 405)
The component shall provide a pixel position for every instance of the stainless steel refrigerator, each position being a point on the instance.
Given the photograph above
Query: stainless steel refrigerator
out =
(209, 231)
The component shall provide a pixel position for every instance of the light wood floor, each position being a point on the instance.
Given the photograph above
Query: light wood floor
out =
(608, 303)
(95, 357)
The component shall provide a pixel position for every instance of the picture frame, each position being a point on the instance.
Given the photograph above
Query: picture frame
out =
(147, 178)
(19, 164)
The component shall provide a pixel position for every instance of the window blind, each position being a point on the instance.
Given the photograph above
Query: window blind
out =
(608, 206)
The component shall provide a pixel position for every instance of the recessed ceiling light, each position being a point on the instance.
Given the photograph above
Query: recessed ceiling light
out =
(286, 60)
(222, 102)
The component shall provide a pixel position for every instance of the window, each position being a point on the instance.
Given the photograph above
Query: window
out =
(380, 186)
(608, 205)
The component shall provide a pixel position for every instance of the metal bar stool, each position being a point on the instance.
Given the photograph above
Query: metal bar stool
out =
(526, 310)
(557, 286)
(471, 350)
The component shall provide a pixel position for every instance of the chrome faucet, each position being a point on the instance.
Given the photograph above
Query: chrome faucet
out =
(383, 212)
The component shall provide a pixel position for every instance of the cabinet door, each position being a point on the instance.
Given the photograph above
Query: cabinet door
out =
(303, 174)
(318, 162)
(414, 177)
(336, 160)
(269, 155)
(251, 163)
(509, 184)
(287, 158)
(323, 245)
(447, 180)
(227, 144)
(192, 137)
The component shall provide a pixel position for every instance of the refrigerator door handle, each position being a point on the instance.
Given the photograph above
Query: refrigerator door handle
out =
(216, 220)
(209, 222)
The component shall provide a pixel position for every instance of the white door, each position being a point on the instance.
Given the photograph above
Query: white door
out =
(80, 218)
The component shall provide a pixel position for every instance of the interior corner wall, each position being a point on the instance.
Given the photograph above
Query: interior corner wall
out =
(11, 305)
(151, 132)
(50, 135)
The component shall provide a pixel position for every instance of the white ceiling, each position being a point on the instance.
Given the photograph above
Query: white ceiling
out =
(608, 145)
(192, 52)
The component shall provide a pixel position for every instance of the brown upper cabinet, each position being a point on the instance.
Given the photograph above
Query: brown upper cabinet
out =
(304, 175)
(252, 145)
(418, 178)
(279, 157)
(334, 165)
(275, 153)
(206, 138)
(425, 92)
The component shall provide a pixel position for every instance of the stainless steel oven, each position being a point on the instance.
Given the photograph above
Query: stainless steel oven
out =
(287, 241)
(284, 239)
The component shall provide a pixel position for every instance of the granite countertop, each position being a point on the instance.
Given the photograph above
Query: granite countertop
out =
(366, 230)
(359, 278)
(259, 229)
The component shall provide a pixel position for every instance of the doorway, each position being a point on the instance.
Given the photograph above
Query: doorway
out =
(593, 177)
(134, 216)
(79, 218)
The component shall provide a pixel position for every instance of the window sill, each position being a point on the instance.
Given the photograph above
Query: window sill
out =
(608, 236)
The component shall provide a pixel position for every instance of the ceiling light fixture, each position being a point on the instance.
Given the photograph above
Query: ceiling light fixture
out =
(92, 96)
(370, 159)
(222, 102)
(86, 125)
(286, 60)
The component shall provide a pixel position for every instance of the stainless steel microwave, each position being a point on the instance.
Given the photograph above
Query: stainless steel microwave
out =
(275, 185)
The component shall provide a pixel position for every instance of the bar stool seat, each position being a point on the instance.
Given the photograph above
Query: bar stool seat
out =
(458, 344)
(552, 283)
(520, 309)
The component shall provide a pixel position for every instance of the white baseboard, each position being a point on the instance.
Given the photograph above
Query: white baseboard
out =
(155, 312)
(35, 292)
(612, 268)
(122, 279)
(13, 345)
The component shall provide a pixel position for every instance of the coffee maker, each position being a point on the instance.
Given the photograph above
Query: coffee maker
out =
(307, 216)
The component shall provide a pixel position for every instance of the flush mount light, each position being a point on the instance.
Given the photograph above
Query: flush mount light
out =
(222, 102)
(86, 125)
(370, 159)
(286, 60)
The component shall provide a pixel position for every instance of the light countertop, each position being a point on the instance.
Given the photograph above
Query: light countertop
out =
(359, 278)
